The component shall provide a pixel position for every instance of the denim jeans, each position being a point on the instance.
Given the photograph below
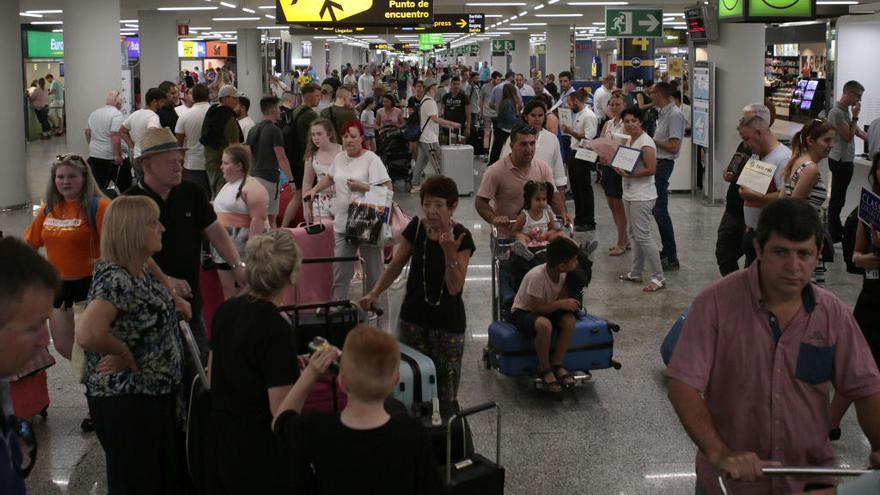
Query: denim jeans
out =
(841, 175)
(661, 209)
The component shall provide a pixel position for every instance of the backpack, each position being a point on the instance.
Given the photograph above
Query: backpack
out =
(289, 132)
(92, 212)
(413, 129)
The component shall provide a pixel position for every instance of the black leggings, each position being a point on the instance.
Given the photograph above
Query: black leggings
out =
(106, 170)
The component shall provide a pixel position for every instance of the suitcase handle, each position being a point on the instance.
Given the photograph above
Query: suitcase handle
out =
(800, 471)
(463, 414)
(194, 353)
(325, 304)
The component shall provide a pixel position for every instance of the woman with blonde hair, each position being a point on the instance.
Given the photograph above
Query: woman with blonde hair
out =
(252, 366)
(321, 149)
(241, 207)
(68, 224)
(133, 355)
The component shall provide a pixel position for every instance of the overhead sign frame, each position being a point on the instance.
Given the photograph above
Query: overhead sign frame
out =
(634, 22)
(354, 12)
(763, 11)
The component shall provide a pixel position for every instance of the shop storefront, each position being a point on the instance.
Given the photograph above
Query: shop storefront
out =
(795, 71)
(203, 55)
(43, 55)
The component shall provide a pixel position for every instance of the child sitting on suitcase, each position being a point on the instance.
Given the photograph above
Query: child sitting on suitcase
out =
(536, 224)
(542, 304)
(363, 449)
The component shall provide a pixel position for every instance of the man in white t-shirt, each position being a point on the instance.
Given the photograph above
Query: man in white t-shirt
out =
(582, 131)
(429, 140)
(136, 125)
(105, 144)
(525, 90)
(603, 94)
(244, 119)
(758, 137)
(188, 131)
(365, 84)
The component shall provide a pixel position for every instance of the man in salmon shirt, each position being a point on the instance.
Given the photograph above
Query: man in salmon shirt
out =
(760, 351)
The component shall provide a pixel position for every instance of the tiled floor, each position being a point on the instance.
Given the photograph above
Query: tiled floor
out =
(617, 435)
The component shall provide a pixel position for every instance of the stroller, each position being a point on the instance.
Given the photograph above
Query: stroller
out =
(394, 151)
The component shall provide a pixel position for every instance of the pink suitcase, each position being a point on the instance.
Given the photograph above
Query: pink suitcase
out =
(212, 296)
(30, 395)
(316, 279)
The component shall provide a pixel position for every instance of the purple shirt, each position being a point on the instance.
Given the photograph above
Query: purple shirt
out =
(767, 397)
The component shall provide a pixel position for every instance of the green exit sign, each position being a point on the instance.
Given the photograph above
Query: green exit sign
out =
(633, 22)
(503, 45)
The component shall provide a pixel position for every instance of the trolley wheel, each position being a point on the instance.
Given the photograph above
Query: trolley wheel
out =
(616, 365)
(45, 412)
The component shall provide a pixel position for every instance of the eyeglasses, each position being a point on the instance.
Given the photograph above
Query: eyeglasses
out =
(70, 157)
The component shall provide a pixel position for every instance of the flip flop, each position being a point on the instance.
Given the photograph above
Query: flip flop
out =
(629, 277)
(616, 251)
(654, 285)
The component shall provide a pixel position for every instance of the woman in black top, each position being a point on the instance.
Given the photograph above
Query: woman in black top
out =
(252, 366)
(432, 317)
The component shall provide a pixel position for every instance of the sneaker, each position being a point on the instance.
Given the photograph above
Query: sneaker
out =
(522, 251)
(669, 265)
(87, 426)
(415, 189)
(587, 247)
(834, 434)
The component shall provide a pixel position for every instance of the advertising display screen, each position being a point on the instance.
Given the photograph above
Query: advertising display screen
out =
(191, 49)
(45, 45)
(766, 10)
(133, 46)
(216, 49)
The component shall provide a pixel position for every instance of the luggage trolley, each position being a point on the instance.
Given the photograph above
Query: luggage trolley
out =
(514, 356)
(799, 471)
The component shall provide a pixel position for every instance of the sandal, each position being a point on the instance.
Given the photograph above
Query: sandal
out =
(655, 285)
(563, 376)
(629, 277)
(553, 387)
(616, 251)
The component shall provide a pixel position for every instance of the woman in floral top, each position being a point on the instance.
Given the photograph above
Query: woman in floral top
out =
(133, 355)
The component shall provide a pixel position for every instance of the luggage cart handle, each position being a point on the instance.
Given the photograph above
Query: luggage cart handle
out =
(800, 471)
(463, 414)
(193, 349)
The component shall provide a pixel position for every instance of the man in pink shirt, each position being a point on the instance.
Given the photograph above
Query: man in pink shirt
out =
(500, 197)
(759, 353)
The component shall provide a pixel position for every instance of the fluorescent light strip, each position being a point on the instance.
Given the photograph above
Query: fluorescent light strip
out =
(27, 14)
(133, 21)
(266, 7)
(494, 4)
(172, 9)
(249, 11)
(268, 16)
(538, 7)
(200, 28)
(44, 11)
(271, 27)
(57, 30)
(492, 16)
(225, 19)
(528, 23)
(586, 4)
(47, 23)
(559, 15)
(229, 5)
(523, 14)
(517, 28)
(135, 26)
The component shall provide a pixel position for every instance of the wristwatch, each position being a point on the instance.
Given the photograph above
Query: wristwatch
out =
(240, 264)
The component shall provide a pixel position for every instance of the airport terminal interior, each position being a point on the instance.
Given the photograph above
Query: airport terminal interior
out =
(721, 69)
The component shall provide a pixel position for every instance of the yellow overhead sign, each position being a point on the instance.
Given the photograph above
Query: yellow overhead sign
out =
(354, 12)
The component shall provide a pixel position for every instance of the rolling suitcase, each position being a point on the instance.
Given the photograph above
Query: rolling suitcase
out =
(332, 321)
(418, 382)
(198, 413)
(212, 295)
(591, 348)
(315, 241)
(30, 395)
(475, 474)
(462, 439)
(457, 163)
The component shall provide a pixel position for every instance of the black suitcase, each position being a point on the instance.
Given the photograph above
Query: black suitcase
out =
(462, 445)
(332, 321)
(475, 475)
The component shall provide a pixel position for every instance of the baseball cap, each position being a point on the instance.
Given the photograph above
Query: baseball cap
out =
(229, 90)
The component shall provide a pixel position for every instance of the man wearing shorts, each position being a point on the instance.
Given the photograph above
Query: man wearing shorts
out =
(267, 146)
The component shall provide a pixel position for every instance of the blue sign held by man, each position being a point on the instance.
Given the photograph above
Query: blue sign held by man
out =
(869, 208)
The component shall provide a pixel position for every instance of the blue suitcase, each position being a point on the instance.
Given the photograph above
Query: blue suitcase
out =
(418, 382)
(591, 348)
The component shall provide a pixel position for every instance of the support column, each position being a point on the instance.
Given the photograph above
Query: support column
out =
(250, 69)
(92, 54)
(348, 56)
(158, 34)
(486, 53)
(520, 61)
(14, 191)
(335, 58)
(558, 49)
(739, 80)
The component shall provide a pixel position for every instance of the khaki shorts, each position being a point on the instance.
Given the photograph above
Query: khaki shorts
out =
(487, 122)
(274, 192)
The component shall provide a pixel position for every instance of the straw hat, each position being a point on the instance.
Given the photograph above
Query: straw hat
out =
(157, 141)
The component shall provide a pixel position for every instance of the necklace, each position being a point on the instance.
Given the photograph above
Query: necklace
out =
(424, 276)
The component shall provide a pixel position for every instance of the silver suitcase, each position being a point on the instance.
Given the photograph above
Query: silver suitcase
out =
(457, 163)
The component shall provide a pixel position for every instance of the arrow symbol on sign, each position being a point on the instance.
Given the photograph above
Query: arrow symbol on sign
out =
(330, 5)
(462, 23)
(651, 23)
